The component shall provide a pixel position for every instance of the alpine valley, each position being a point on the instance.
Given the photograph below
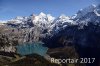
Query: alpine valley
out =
(33, 40)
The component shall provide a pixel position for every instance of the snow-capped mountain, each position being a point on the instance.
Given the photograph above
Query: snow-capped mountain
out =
(87, 19)
(61, 22)
(41, 20)
(43, 24)
(87, 15)
(46, 21)
(19, 22)
(2, 22)
(57, 34)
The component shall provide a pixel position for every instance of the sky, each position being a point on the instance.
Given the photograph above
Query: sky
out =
(11, 8)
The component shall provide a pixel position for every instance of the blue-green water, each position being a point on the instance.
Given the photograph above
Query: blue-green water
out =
(30, 48)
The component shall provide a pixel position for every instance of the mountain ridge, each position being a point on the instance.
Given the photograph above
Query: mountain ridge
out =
(44, 26)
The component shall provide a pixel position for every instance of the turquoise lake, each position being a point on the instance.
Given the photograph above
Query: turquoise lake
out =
(30, 48)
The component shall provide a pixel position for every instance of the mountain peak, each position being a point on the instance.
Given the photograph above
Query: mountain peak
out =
(42, 14)
(63, 16)
(83, 12)
(50, 17)
(19, 17)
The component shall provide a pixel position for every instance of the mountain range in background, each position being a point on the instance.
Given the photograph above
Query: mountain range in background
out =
(79, 33)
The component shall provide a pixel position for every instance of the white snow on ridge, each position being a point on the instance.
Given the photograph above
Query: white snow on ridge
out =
(64, 19)
(47, 21)
(43, 19)
(84, 11)
(96, 13)
(50, 18)
(1, 21)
